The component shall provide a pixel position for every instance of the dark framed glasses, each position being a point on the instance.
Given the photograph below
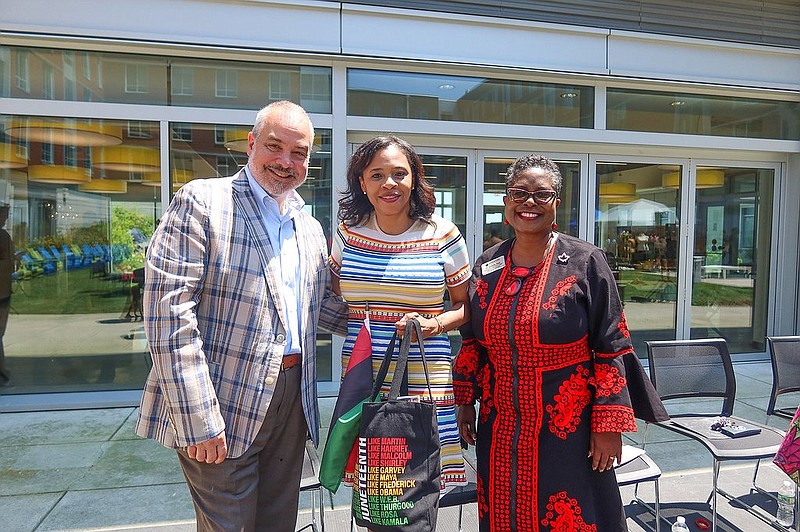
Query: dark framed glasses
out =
(540, 197)
(520, 274)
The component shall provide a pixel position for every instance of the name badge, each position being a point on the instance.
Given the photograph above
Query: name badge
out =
(493, 265)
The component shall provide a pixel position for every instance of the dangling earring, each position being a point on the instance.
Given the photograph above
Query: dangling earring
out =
(555, 226)
(505, 222)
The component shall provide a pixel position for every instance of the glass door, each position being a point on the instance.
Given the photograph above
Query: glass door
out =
(637, 224)
(448, 172)
(494, 175)
(688, 273)
(731, 255)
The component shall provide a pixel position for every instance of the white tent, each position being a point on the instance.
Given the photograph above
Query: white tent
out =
(642, 212)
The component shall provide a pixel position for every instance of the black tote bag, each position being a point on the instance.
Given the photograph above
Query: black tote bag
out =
(398, 467)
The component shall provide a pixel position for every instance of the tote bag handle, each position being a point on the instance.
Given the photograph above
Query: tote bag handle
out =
(401, 367)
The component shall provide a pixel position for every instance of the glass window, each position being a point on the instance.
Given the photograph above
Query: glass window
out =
(178, 81)
(48, 82)
(280, 85)
(732, 240)
(467, 99)
(139, 130)
(5, 72)
(182, 132)
(79, 234)
(636, 224)
(86, 64)
(226, 166)
(47, 153)
(22, 71)
(494, 188)
(315, 89)
(136, 79)
(448, 175)
(182, 81)
(70, 156)
(226, 83)
(220, 134)
(70, 83)
(698, 114)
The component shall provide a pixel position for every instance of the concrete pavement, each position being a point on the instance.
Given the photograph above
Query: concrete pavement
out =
(78, 470)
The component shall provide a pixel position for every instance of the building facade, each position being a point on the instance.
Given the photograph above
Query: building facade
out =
(679, 142)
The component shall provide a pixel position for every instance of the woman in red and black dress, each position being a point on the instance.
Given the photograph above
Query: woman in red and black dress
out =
(548, 354)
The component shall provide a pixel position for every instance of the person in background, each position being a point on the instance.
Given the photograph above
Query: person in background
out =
(393, 259)
(236, 282)
(6, 271)
(548, 354)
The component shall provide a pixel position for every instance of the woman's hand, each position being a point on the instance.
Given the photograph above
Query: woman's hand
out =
(429, 326)
(465, 418)
(604, 447)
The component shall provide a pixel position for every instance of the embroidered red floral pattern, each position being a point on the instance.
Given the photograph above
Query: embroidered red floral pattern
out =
(561, 289)
(623, 326)
(564, 515)
(483, 505)
(607, 380)
(613, 418)
(572, 397)
(466, 362)
(482, 289)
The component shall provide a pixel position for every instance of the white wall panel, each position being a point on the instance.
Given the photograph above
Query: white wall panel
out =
(313, 26)
(306, 26)
(683, 59)
(405, 34)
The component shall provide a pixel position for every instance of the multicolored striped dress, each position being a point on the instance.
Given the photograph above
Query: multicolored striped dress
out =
(392, 275)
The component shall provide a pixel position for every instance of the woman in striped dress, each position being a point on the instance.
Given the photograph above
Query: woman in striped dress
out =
(392, 260)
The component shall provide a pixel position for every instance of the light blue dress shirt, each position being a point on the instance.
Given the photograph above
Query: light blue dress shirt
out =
(282, 237)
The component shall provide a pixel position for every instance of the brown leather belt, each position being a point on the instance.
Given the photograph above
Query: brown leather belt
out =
(290, 361)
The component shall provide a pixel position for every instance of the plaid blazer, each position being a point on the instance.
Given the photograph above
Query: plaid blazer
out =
(213, 317)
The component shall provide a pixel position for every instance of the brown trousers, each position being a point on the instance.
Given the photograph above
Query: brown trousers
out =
(259, 490)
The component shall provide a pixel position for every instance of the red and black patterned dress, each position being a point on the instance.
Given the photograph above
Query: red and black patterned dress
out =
(549, 365)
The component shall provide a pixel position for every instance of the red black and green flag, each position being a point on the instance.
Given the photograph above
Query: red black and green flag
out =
(341, 448)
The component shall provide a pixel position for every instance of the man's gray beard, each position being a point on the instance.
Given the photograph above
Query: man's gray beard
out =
(276, 188)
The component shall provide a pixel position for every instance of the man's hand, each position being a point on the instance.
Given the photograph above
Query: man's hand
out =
(211, 451)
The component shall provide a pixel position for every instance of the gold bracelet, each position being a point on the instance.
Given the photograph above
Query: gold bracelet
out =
(439, 323)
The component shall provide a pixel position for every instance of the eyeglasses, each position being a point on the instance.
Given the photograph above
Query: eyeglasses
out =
(520, 274)
(540, 197)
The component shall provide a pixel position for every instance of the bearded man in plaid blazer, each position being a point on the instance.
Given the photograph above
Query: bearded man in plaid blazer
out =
(236, 281)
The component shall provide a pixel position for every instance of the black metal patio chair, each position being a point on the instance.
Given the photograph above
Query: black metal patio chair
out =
(784, 353)
(700, 370)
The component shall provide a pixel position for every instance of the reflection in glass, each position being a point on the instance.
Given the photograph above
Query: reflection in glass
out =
(637, 226)
(466, 99)
(494, 188)
(702, 114)
(79, 221)
(158, 80)
(730, 276)
(448, 175)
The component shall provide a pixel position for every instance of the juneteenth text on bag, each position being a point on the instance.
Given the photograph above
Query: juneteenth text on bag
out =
(398, 481)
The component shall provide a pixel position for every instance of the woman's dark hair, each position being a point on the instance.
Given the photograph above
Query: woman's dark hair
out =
(534, 160)
(355, 208)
